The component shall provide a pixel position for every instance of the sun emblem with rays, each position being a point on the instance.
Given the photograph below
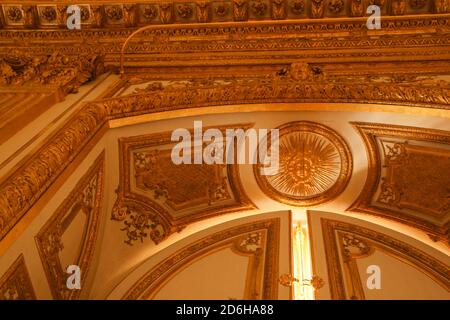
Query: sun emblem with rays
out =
(315, 165)
(309, 165)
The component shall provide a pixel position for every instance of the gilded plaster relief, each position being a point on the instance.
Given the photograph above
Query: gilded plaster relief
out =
(59, 250)
(315, 165)
(406, 179)
(156, 197)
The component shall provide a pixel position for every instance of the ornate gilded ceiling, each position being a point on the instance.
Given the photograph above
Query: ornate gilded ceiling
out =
(295, 65)
(157, 197)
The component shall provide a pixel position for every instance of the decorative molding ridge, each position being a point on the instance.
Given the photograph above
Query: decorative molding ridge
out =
(113, 14)
(23, 187)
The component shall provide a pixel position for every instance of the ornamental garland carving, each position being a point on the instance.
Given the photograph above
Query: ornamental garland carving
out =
(22, 188)
(68, 72)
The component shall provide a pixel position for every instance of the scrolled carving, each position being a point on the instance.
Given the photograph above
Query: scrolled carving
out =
(149, 12)
(355, 247)
(441, 6)
(357, 8)
(202, 11)
(417, 4)
(29, 17)
(165, 12)
(184, 11)
(97, 15)
(221, 10)
(140, 223)
(240, 8)
(317, 8)
(278, 9)
(114, 13)
(129, 14)
(16, 284)
(398, 7)
(68, 72)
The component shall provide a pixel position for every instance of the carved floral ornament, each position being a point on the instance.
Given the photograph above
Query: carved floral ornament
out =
(20, 189)
(68, 72)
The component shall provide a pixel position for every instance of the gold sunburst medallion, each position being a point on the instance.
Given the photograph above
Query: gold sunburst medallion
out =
(314, 165)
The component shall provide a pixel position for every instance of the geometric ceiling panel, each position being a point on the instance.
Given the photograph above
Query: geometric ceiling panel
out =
(408, 178)
(315, 165)
(15, 284)
(69, 236)
(157, 197)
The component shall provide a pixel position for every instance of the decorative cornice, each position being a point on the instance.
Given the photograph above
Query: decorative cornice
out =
(113, 14)
(22, 188)
(348, 35)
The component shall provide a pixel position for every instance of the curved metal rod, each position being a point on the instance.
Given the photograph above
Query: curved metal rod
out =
(193, 25)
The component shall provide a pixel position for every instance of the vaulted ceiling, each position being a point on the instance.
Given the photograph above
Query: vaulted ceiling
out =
(87, 115)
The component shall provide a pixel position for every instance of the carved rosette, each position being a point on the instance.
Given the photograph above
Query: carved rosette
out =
(315, 165)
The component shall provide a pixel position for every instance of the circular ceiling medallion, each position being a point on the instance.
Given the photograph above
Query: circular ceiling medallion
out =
(315, 165)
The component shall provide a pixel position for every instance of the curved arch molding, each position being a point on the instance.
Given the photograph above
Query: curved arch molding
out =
(347, 242)
(260, 285)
